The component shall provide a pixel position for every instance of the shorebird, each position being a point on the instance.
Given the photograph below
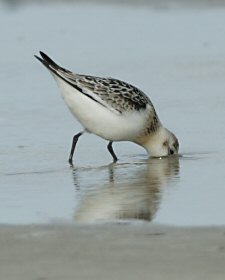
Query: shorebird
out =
(113, 110)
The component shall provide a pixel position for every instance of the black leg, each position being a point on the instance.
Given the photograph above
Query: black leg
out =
(75, 138)
(110, 148)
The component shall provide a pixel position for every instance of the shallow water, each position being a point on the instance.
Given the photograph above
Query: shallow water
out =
(175, 55)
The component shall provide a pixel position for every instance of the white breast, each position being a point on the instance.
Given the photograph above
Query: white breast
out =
(99, 120)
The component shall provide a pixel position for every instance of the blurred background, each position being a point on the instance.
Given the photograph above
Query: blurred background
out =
(172, 50)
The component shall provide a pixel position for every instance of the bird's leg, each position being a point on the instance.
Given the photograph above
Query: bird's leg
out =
(110, 148)
(75, 139)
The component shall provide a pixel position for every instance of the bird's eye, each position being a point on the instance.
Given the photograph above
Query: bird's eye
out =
(165, 143)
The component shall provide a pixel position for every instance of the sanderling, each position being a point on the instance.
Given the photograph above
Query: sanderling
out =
(113, 110)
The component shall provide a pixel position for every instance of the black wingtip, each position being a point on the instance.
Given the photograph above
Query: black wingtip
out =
(38, 58)
(48, 62)
(47, 59)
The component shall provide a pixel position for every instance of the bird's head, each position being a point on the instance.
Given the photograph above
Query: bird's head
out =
(162, 143)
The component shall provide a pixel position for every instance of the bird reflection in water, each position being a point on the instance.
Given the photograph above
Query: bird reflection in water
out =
(130, 191)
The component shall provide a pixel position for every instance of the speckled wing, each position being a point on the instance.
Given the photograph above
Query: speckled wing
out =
(117, 94)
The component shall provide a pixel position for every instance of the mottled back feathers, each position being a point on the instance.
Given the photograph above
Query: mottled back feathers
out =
(111, 93)
(119, 95)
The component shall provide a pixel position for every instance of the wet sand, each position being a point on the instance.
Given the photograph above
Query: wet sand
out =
(116, 251)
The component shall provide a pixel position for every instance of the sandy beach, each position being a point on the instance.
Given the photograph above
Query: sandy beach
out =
(119, 251)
